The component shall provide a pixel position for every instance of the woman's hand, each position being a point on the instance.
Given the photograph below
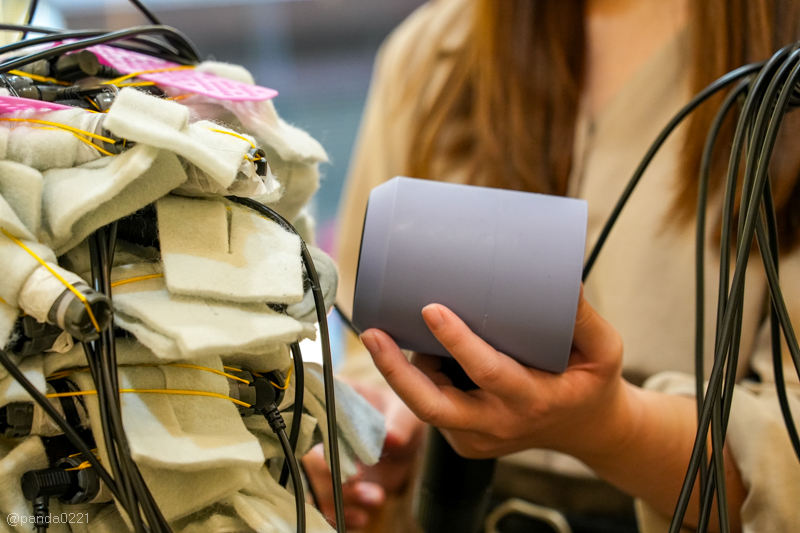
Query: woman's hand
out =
(365, 493)
(582, 411)
(638, 440)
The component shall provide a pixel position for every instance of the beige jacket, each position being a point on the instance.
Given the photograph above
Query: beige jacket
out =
(643, 282)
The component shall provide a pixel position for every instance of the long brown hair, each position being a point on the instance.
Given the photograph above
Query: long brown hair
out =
(517, 80)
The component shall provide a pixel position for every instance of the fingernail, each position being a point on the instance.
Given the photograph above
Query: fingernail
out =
(370, 494)
(369, 340)
(433, 317)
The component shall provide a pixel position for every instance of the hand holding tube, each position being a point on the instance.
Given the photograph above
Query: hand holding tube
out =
(515, 407)
(636, 439)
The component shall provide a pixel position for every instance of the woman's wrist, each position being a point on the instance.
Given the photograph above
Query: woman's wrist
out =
(613, 432)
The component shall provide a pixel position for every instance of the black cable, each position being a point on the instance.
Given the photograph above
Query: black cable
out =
(297, 482)
(700, 240)
(144, 44)
(149, 15)
(109, 376)
(346, 319)
(327, 367)
(297, 408)
(85, 43)
(704, 95)
(68, 430)
(725, 335)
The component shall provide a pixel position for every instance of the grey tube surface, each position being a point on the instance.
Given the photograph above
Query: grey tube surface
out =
(508, 263)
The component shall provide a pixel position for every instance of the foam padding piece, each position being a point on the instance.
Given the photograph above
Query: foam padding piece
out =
(200, 327)
(21, 187)
(77, 201)
(227, 252)
(42, 148)
(156, 122)
(360, 424)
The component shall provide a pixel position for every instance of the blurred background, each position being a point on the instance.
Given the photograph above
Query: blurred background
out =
(317, 53)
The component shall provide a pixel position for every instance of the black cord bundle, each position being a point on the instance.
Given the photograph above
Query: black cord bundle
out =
(768, 89)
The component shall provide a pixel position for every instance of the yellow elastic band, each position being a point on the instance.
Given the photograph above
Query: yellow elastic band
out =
(137, 84)
(153, 391)
(116, 81)
(180, 97)
(77, 136)
(206, 369)
(94, 104)
(61, 126)
(285, 383)
(66, 373)
(36, 77)
(72, 289)
(93, 450)
(232, 134)
(82, 466)
(132, 280)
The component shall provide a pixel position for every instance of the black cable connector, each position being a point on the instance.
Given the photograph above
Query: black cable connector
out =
(69, 486)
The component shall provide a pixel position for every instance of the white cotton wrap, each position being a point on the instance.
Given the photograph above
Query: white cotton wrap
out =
(227, 252)
(195, 327)
(79, 200)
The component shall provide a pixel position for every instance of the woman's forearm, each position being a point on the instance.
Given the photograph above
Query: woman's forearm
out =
(657, 434)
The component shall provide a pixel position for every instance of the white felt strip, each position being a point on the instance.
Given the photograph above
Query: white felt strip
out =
(42, 147)
(77, 201)
(299, 182)
(156, 122)
(21, 186)
(227, 252)
(202, 327)
(360, 424)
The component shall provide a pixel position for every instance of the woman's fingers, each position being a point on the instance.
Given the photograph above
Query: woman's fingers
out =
(489, 369)
(594, 338)
(441, 407)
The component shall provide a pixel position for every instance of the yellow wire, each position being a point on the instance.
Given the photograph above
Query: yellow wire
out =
(116, 81)
(36, 77)
(137, 84)
(72, 289)
(180, 97)
(285, 383)
(69, 371)
(90, 143)
(120, 282)
(62, 126)
(232, 134)
(206, 369)
(77, 136)
(94, 104)
(84, 465)
(153, 391)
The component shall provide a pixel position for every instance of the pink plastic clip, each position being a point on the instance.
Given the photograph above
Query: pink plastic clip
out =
(190, 80)
(12, 104)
